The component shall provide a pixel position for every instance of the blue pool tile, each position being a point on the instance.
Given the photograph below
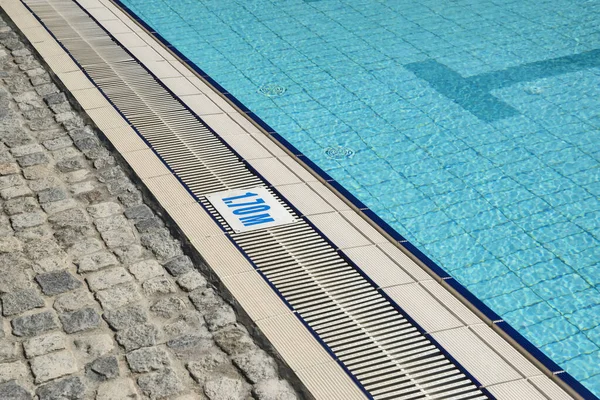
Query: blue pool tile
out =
(593, 334)
(579, 366)
(544, 271)
(571, 303)
(560, 286)
(592, 383)
(585, 318)
(512, 301)
(522, 259)
(531, 315)
(549, 331)
(591, 274)
(569, 348)
(498, 286)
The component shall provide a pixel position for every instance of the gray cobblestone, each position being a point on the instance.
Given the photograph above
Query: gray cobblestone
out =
(9, 244)
(13, 371)
(86, 246)
(179, 265)
(148, 225)
(129, 254)
(82, 188)
(126, 317)
(103, 210)
(52, 195)
(191, 280)
(103, 368)
(58, 143)
(71, 388)
(234, 339)
(144, 270)
(53, 283)
(42, 124)
(13, 391)
(71, 218)
(5, 228)
(8, 351)
(36, 172)
(41, 250)
(158, 285)
(80, 320)
(23, 150)
(77, 176)
(118, 389)
(96, 261)
(58, 206)
(111, 223)
(111, 174)
(53, 365)
(108, 278)
(129, 199)
(207, 364)
(148, 359)
(226, 388)
(33, 159)
(73, 301)
(220, 317)
(10, 181)
(44, 344)
(66, 153)
(8, 168)
(118, 296)
(274, 389)
(28, 220)
(95, 345)
(19, 302)
(55, 98)
(137, 337)
(13, 269)
(46, 89)
(168, 307)
(161, 244)
(20, 206)
(71, 164)
(42, 232)
(141, 211)
(118, 237)
(160, 384)
(256, 365)
(34, 324)
(15, 192)
(38, 185)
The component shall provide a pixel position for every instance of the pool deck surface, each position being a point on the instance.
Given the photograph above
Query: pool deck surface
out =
(113, 213)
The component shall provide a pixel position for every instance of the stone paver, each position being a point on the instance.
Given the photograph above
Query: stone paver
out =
(101, 301)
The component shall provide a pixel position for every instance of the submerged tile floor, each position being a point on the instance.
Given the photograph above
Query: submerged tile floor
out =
(99, 301)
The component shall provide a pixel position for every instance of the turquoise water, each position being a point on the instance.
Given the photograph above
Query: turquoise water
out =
(471, 126)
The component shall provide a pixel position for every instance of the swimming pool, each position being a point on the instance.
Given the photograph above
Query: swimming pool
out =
(470, 127)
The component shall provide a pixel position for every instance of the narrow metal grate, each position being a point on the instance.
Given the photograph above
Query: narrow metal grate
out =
(380, 347)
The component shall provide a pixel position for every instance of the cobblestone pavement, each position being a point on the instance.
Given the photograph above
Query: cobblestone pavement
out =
(99, 302)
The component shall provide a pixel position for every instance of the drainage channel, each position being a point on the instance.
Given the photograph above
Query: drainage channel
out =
(386, 353)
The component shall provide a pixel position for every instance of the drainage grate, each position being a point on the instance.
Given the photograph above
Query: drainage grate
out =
(384, 351)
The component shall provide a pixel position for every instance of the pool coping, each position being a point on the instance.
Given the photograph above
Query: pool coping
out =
(462, 293)
(439, 274)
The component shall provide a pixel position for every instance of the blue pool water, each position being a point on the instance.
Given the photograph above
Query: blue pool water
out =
(470, 126)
